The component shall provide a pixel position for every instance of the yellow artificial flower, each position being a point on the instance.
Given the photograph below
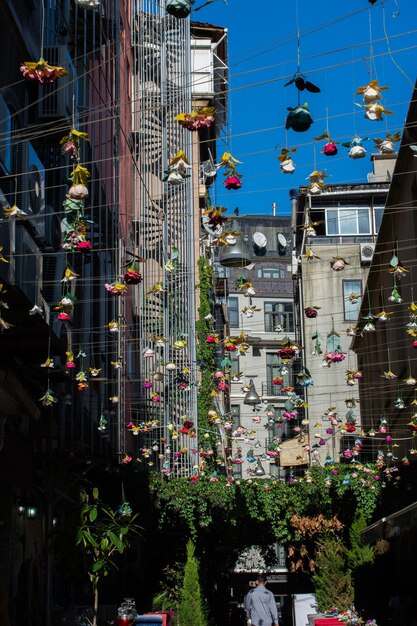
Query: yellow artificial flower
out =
(69, 275)
(48, 363)
(80, 175)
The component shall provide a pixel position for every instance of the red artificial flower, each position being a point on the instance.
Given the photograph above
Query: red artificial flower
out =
(132, 277)
(286, 353)
(310, 312)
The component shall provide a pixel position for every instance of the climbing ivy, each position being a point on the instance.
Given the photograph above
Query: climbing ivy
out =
(219, 505)
(205, 355)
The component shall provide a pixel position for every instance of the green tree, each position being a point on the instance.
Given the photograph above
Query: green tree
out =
(103, 533)
(191, 610)
(359, 554)
(332, 580)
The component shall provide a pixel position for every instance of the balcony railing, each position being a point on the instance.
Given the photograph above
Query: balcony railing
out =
(269, 389)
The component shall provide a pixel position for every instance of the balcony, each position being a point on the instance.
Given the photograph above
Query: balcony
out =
(269, 390)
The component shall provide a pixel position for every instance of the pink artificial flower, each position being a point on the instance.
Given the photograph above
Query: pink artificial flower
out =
(211, 339)
(64, 317)
(69, 364)
(182, 386)
(84, 245)
(232, 182)
(219, 374)
(330, 149)
(147, 384)
(222, 386)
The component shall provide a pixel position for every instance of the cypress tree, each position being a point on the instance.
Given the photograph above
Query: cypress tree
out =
(191, 610)
(332, 580)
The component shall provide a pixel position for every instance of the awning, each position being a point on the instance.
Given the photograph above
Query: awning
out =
(392, 525)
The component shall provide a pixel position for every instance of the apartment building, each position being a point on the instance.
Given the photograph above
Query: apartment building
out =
(335, 234)
(266, 317)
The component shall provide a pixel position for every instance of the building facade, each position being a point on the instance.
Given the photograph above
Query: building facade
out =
(335, 234)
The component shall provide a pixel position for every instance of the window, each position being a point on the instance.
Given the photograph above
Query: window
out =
(378, 213)
(234, 357)
(348, 221)
(352, 304)
(273, 370)
(279, 316)
(233, 309)
(235, 411)
(271, 272)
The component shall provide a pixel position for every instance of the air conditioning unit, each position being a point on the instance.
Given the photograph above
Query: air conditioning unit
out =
(367, 252)
(55, 100)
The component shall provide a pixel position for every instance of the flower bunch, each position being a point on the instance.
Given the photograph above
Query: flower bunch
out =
(42, 72)
(200, 118)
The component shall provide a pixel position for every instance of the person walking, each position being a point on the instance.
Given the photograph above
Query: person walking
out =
(260, 605)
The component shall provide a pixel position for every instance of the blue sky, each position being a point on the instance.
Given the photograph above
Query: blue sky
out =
(334, 49)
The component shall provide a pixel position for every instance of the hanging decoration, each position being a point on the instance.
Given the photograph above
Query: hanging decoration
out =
(311, 311)
(199, 118)
(338, 263)
(317, 184)
(288, 350)
(182, 8)
(249, 311)
(287, 165)
(387, 145)
(233, 178)
(301, 83)
(330, 146)
(132, 275)
(356, 149)
(177, 171)
(42, 72)
(299, 118)
(333, 352)
(371, 92)
(310, 255)
(71, 143)
(88, 4)
(371, 96)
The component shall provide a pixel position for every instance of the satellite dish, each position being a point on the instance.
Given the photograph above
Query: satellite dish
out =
(259, 240)
(282, 240)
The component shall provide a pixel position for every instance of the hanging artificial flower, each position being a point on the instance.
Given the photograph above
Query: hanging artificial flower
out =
(94, 371)
(177, 171)
(311, 311)
(13, 212)
(375, 111)
(36, 310)
(65, 306)
(2, 258)
(412, 424)
(383, 316)
(114, 326)
(156, 288)
(395, 295)
(299, 118)
(49, 398)
(287, 165)
(71, 143)
(249, 311)
(200, 118)
(309, 228)
(75, 224)
(233, 178)
(396, 269)
(42, 72)
(316, 185)
(399, 403)
(338, 263)
(212, 338)
(132, 276)
(330, 147)
(242, 284)
(5, 325)
(310, 255)
(215, 215)
(69, 275)
(180, 344)
(389, 375)
(88, 4)
(116, 288)
(172, 264)
(356, 149)
(304, 378)
(386, 146)
(288, 350)
(333, 352)
(371, 92)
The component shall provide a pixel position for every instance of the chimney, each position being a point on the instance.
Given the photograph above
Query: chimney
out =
(383, 167)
